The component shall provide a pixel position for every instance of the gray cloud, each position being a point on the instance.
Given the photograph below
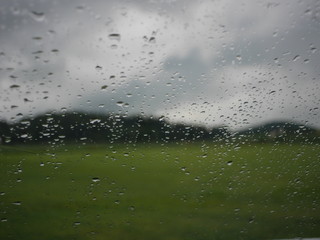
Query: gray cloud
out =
(222, 62)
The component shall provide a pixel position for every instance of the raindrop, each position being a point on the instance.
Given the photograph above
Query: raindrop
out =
(296, 58)
(161, 118)
(24, 135)
(115, 36)
(313, 49)
(104, 87)
(37, 38)
(37, 52)
(38, 16)
(17, 203)
(229, 163)
(120, 103)
(98, 67)
(95, 179)
(239, 57)
(14, 86)
(152, 40)
(80, 8)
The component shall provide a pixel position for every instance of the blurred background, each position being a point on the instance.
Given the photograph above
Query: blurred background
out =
(163, 119)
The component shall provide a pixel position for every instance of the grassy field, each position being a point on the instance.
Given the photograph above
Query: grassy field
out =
(149, 191)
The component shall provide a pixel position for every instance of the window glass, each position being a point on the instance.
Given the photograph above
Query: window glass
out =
(161, 119)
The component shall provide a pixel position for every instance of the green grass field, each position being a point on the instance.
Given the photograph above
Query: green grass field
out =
(149, 191)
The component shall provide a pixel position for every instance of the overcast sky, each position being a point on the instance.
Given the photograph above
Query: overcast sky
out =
(234, 63)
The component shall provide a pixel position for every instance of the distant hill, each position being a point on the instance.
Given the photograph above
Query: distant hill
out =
(83, 127)
(91, 128)
(280, 131)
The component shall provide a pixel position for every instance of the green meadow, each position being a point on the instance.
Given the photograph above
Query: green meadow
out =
(160, 191)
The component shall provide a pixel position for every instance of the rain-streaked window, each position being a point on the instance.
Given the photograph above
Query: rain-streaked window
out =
(161, 119)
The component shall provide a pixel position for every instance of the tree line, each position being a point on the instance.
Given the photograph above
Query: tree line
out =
(93, 128)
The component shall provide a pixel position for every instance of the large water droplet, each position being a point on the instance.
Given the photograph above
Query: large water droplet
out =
(152, 40)
(120, 103)
(115, 36)
(95, 179)
(37, 16)
(296, 58)
(14, 86)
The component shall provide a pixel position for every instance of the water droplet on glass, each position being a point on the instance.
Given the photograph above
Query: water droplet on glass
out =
(37, 16)
(95, 179)
(296, 58)
(104, 87)
(17, 203)
(313, 49)
(120, 103)
(24, 136)
(229, 163)
(115, 36)
(152, 40)
(14, 86)
(37, 38)
(162, 118)
(96, 120)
